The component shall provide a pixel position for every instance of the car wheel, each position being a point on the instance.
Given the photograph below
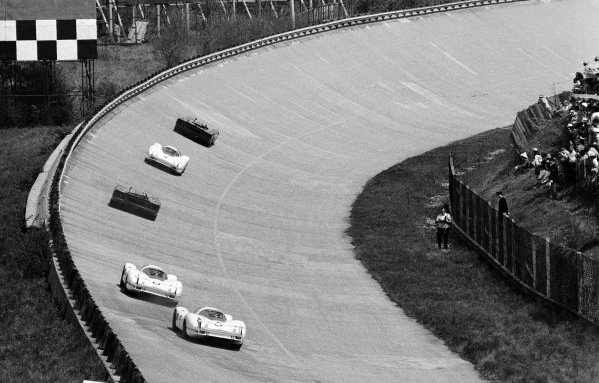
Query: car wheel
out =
(175, 321)
(125, 289)
(185, 330)
(121, 283)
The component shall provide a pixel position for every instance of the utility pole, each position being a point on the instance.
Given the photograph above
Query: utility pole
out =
(292, 9)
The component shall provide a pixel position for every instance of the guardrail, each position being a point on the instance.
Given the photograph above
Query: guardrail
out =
(83, 302)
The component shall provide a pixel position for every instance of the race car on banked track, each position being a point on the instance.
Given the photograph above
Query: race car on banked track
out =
(209, 322)
(168, 156)
(152, 280)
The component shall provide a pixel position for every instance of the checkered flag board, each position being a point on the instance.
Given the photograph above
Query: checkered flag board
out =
(37, 40)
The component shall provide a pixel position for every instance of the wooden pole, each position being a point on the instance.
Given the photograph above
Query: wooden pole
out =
(110, 21)
(534, 264)
(187, 17)
(548, 266)
(158, 19)
(292, 9)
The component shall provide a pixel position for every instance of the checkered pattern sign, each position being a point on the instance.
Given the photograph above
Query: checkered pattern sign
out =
(36, 40)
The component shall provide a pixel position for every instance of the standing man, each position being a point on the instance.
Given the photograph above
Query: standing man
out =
(443, 222)
(502, 204)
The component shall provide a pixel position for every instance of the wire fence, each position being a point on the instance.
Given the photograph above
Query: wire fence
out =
(558, 274)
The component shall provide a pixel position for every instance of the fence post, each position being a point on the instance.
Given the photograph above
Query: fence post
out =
(475, 219)
(582, 309)
(548, 266)
(491, 229)
(513, 247)
(506, 242)
(467, 212)
(533, 246)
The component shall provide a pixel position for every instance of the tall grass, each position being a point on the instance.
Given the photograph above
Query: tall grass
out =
(35, 344)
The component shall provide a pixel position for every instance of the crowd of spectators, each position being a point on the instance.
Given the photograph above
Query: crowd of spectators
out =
(556, 170)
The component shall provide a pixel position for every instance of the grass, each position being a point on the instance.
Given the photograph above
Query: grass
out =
(506, 335)
(35, 343)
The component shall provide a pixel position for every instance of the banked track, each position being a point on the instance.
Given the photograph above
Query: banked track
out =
(256, 224)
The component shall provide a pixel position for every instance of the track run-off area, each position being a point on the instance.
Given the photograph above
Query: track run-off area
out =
(256, 225)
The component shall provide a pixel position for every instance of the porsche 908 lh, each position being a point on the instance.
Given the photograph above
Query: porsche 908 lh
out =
(168, 156)
(209, 322)
(152, 280)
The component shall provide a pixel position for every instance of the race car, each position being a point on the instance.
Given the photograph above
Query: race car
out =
(208, 322)
(196, 131)
(168, 156)
(152, 280)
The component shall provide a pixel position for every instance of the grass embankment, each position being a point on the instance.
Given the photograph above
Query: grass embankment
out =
(35, 344)
(508, 336)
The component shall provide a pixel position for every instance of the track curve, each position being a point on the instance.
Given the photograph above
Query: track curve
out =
(256, 224)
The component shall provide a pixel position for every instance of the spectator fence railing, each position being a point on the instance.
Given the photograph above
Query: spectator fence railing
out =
(557, 274)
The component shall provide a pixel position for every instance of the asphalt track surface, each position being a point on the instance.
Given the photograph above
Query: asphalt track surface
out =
(256, 224)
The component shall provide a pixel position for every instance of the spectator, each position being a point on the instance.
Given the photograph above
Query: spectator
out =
(443, 222)
(524, 163)
(502, 204)
(543, 176)
(537, 160)
(117, 33)
(543, 101)
(554, 177)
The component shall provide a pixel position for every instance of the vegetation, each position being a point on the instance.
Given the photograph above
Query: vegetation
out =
(35, 344)
(508, 336)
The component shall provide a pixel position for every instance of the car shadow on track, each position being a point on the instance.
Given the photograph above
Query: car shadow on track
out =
(162, 167)
(162, 301)
(209, 342)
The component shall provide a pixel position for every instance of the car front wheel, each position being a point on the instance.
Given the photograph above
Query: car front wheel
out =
(185, 330)
(121, 282)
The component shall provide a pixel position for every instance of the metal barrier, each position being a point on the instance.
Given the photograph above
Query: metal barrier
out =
(89, 311)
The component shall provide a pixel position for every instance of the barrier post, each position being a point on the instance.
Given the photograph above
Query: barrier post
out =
(513, 245)
(533, 249)
(467, 209)
(490, 229)
(548, 267)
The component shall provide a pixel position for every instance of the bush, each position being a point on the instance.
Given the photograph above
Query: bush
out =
(40, 96)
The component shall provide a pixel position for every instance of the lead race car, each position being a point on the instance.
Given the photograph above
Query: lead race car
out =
(168, 156)
(208, 322)
(152, 280)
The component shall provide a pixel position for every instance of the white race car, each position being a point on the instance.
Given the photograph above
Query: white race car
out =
(168, 156)
(209, 322)
(150, 279)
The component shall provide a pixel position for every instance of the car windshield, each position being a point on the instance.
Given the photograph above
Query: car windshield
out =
(213, 314)
(154, 273)
(169, 150)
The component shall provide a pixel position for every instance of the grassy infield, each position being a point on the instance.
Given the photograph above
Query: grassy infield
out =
(508, 337)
